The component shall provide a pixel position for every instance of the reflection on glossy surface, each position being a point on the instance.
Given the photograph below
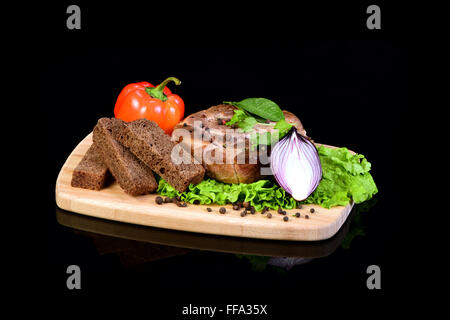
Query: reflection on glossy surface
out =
(136, 244)
(287, 263)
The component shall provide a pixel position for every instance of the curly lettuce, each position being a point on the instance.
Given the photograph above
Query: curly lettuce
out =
(345, 177)
(260, 194)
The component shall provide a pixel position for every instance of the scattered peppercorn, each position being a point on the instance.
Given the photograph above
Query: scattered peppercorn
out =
(285, 218)
(167, 200)
(252, 210)
(243, 213)
(245, 204)
(208, 209)
(269, 215)
(178, 203)
(264, 210)
(297, 214)
(196, 201)
(280, 210)
(235, 207)
(222, 210)
(159, 200)
(306, 217)
(312, 210)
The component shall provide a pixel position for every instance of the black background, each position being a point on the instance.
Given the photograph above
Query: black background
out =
(347, 84)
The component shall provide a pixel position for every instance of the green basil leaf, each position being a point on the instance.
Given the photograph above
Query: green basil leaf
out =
(264, 138)
(239, 115)
(247, 124)
(283, 127)
(261, 107)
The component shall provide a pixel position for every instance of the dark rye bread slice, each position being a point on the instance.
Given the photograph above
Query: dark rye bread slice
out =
(133, 176)
(91, 173)
(152, 146)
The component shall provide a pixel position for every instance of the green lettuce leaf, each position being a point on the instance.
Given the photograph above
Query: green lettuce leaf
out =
(345, 177)
(260, 194)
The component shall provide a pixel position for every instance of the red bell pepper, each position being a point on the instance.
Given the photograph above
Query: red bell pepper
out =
(144, 100)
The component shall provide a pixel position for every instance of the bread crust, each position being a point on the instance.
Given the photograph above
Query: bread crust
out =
(131, 174)
(151, 145)
(90, 173)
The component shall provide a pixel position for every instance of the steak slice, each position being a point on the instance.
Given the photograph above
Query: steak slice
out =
(214, 135)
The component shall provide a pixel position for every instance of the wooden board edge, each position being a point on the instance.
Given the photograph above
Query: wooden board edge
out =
(237, 229)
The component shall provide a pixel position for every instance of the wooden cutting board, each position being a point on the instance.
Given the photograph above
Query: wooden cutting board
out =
(113, 203)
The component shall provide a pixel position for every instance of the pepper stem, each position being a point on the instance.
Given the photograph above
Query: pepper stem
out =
(158, 92)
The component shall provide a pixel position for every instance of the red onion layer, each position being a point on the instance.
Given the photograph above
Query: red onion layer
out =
(296, 166)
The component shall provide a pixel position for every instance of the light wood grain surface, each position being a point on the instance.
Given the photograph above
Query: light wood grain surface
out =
(113, 203)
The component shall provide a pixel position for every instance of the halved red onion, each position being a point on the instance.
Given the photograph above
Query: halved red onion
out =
(295, 164)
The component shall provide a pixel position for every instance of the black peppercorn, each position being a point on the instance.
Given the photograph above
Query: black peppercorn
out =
(285, 218)
(243, 213)
(245, 204)
(222, 210)
(312, 210)
(208, 209)
(159, 200)
(252, 210)
(297, 214)
(269, 215)
(306, 217)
